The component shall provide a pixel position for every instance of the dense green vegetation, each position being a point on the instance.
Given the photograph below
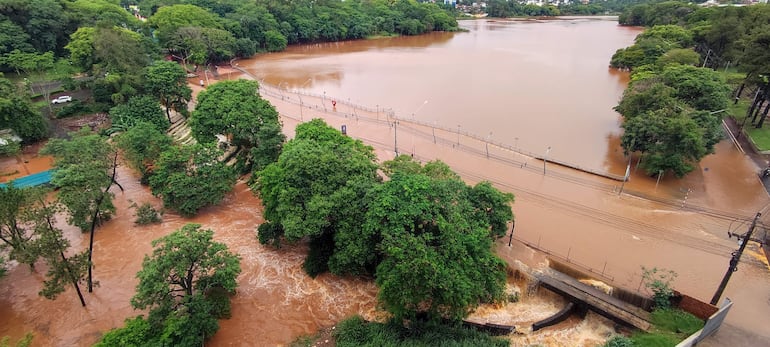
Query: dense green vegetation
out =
(235, 109)
(423, 225)
(45, 42)
(670, 326)
(28, 231)
(517, 8)
(673, 106)
(18, 114)
(188, 178)
(186, 283)
(356, 332)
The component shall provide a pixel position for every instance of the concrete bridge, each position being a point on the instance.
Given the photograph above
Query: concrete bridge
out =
(590, 298)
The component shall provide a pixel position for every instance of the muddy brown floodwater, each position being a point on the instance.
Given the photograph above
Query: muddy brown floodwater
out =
(533, 85)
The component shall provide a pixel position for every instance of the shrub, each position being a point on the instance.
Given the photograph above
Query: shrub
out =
(658, 281)
(76, 107)
(146, 214)
(619, 341)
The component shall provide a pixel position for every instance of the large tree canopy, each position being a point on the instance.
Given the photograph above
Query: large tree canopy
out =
(185, 283)
(139, 109)
(235, 109)
(17, 113)
(167, 81)
(437, 235)
(170, 18)
(142, 145)
(672, 117)
(309, 190)
(84, 167)
(188, 178)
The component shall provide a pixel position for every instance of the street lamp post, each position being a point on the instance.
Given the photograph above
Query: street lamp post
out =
(395, 136)
(434, 131)
(301, 118)
(545, 159)
(418, 108)
(458, 135)
(486, 144)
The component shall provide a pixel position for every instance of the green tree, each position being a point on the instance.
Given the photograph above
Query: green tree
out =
(188, 178)
(17, 113)
(701, 88)
(681, 56)
(669, 140)
(235, 109)
(15, 221)
(81, 47)
(437, 256)
(669, 33)
(167, 81)
(275, 41)
(313, 188)
(179, 283)
(186, 44)
(142, 145)
(28, 228)
(12, 37)
(170, 18)
(51, 245)
(139, 109)
(185, 263)
(86, 166)
(119, 50)
(33, 65)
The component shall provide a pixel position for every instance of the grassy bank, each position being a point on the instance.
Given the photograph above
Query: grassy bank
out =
(760, 136)
(356, 332)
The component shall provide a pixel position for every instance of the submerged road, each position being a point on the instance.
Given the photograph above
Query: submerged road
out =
(577, 215)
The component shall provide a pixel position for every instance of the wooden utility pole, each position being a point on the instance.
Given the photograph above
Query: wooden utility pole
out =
(734, 260)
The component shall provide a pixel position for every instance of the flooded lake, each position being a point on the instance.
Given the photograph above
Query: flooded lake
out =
(521, 86)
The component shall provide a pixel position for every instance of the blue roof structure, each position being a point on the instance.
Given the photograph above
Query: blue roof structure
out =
(33, 180)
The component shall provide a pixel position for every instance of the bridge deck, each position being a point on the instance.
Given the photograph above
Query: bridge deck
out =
(597, 301)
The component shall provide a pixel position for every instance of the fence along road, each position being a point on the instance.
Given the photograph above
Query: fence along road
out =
(379, 127)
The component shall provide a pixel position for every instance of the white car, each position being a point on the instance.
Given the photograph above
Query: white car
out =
(62, 99)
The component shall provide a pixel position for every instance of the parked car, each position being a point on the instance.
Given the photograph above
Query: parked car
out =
(62, 99)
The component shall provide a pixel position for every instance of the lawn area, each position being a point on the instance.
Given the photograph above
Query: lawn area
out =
(761, 136)
(671, 327)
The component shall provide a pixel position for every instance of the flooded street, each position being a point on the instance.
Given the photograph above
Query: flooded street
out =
(532, 84)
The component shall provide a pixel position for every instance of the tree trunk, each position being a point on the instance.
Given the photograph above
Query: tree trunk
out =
(72, 278)
(739, 92)
(754, 102)
(168, 110)
(94, 220)
(66, 262)
(757, 110)
(764, 116)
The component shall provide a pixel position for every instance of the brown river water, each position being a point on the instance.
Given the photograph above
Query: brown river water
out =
(533, 84)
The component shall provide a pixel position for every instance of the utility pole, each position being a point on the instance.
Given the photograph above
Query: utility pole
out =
(513, 226)
(395, 136)
(734, 260)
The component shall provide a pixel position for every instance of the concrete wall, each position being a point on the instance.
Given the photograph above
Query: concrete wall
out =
(711, 326)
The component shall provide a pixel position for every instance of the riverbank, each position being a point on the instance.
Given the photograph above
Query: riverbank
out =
(577, 225)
